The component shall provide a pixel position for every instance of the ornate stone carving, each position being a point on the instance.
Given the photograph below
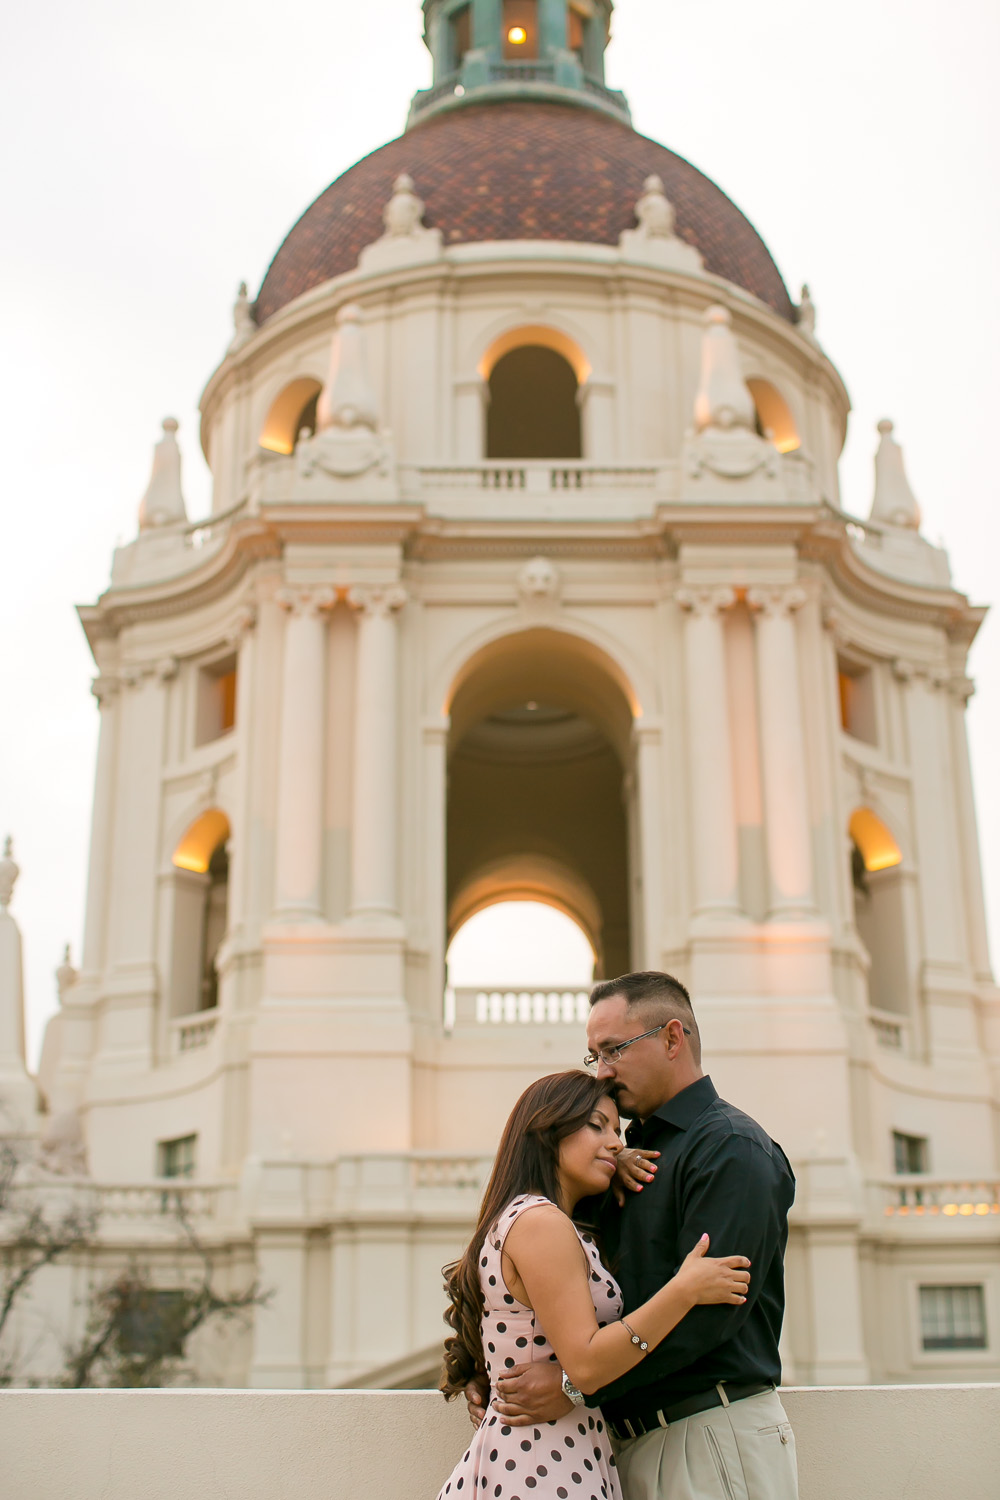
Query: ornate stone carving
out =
(903, 670)
(300, 600)
(244, 326)
(538, 579)
(105, 689)
(404, 212)
(163, 502)
(654, 210)
(655, 240)
(66, 975)
(806, 313)
(347, 400)
(380, 599)
(62, 1150)
(895, 503)
(705, 599)
(776, 599)
(167, 668)
(963, 688)
(243, 624)
(723, 399)
(9, 871)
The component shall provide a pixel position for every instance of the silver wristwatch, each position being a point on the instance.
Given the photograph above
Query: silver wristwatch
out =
(570, 1390)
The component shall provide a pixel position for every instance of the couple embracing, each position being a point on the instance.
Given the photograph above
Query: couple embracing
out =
(616, 1344)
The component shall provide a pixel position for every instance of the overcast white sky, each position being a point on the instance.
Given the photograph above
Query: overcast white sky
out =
(155, 156)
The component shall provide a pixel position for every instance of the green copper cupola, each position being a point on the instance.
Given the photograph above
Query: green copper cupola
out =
(517, 49)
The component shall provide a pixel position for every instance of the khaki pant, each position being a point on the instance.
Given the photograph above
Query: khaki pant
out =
(744, 1451)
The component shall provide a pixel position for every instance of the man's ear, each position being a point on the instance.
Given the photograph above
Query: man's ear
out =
(674, 1038)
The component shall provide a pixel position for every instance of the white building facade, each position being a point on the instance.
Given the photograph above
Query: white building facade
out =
(526, 578)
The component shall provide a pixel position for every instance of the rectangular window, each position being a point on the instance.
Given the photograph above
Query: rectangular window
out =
(176, 1158)
(520, 30)
(909, 1153)
(216, 708)
(953, 1317)
(461, 35)
(857, 701)
(576, 32)
(152, 1324)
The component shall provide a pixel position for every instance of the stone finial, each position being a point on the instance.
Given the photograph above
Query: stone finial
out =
(654, 210)
(66, 975)
(404, 212)
(723, 400)
(9, 872)
(244, 326)
(163, 502)
(347, 400)
(807, 313)
(895, 503)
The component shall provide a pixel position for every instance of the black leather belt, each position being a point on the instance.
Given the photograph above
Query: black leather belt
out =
(638, 1425)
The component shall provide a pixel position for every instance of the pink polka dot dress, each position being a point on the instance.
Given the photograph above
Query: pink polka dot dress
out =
(569, 1459)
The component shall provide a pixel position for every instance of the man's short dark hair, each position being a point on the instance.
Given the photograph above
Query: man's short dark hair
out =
(660, 997)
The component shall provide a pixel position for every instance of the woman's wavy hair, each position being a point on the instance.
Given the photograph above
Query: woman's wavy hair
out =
(527, 1161)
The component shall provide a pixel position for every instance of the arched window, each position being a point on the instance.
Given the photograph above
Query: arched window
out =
(520, 30)
(533, 410)
(774, 415)
(200, 888)
(291, 412)
(879, 910)
(516, 957)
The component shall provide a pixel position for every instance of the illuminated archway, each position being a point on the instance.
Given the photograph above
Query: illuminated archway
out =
(194, 851)
(774, 415)
(878, 880)
(293, 409)
(878, 848)
(200, 913)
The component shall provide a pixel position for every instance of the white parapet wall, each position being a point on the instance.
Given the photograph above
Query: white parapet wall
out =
(854, 1443)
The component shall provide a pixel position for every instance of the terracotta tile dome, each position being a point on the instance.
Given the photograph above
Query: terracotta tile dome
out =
(519, 170)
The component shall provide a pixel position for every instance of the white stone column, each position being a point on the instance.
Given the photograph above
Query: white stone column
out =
(783, 752)
(713, 818)
(17, 1092)
(962, 689)
(299, 841)
(433, 859)
(647, 740)
(105, 690)
(373, 834)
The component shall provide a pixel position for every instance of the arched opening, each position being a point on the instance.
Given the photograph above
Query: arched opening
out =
(879, 910)
(774, 415)
(527, 960)
(533, 410)
(520, 30)
(291, 412)
(538, 803)
(200, 916)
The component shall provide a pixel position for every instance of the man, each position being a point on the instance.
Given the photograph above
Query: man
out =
(699, 1418)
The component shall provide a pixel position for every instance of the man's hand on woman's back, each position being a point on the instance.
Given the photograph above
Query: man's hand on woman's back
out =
(525, 1395)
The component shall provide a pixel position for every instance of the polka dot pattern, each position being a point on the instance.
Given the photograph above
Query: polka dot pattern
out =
(545, 1462)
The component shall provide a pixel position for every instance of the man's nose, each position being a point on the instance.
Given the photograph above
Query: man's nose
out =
(604, 1069)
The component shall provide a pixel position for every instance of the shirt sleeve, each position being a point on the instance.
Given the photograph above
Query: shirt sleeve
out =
(735, 1192)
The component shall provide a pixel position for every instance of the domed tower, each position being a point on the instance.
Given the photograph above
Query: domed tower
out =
(527, 575)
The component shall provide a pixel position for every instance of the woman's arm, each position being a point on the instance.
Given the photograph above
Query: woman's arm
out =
(548, 1263)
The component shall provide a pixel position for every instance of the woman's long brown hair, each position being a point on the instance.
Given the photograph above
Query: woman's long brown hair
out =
(527, 1161)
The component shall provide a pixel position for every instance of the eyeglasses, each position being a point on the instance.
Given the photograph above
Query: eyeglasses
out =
(611, 1055)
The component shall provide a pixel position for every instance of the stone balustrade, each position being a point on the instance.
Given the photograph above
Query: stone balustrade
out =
(875, 1442)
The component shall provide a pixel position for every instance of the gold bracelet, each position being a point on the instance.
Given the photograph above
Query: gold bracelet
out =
(635, 1337)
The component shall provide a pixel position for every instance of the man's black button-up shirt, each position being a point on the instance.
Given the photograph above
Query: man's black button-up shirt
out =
(718, 1173)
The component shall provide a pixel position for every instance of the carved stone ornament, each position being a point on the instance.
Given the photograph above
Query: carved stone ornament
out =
(654, 210)
(404, 212)
(305, 600)
(62, 1149)
(895, 503)
(538, 579)
(163, 502)
(66, 975)
(343, 455)
(705, 600)
(9, 872)
(806, 313)
(655, 240)
(244, 326)
(776, 600)
(378, 599)
(731, 455)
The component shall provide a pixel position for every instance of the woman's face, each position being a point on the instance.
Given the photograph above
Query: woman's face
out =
(587, 1158)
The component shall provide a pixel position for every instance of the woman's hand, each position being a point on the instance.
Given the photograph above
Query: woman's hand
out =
(634, 1169)
(705, 1279)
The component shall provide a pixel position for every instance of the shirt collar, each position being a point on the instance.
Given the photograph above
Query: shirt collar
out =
(684, 1108)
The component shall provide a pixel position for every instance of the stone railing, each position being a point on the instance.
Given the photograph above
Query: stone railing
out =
(875, 1442)
(938, 1198)
(521, 1007)
(890, 1030)
(188, 1033)
(534, 477)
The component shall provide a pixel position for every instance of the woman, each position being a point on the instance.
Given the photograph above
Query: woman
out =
(531, 1286)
